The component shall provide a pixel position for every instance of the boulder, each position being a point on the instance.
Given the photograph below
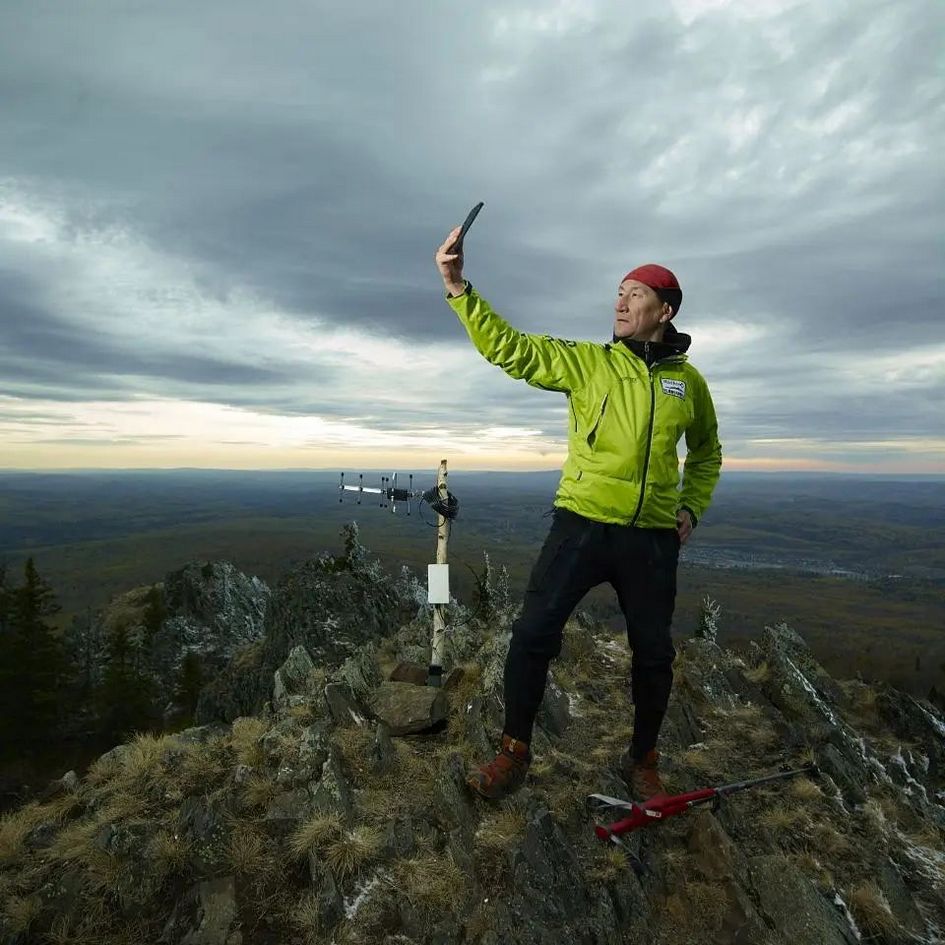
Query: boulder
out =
(406, 709)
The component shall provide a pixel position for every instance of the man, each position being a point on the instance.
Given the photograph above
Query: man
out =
(619, 514)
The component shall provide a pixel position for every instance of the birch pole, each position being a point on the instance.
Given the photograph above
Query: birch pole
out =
(435, 675)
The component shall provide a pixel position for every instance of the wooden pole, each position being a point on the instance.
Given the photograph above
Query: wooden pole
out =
(435, 675)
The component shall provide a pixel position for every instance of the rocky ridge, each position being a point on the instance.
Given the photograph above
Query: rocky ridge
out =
(322, 800)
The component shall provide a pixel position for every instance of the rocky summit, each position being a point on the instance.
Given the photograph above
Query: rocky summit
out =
(323, 797)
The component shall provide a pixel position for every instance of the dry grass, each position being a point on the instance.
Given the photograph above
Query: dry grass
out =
(871, 812)
(497, 834)
(827, 840)
(143, 764)
(807, 863)
(783, 819)
(378, 806)
(304, 714)
(244, 740)
(382, 796)
(697, 906)
(101, 772)
(259, 791)
(16, 825)
(794, 829)
(204, 767)
(566, 798)
(871, 909)
(703, 761)
(354, 850)
(74, 842)
(579, 647)
(354, 744)
(460, 698)
(759, 675)
(14, 828)
(609, 863)
(246, 851)
(305, 917)
(346, 851)
(431, 884)
(315, 833)
(805, 790)
(169, 852)
(21, 912)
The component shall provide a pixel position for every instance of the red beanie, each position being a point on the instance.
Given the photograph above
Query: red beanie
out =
(658, 278)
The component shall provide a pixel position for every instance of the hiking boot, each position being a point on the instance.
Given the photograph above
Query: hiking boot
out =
(505, 774)
(642, 775)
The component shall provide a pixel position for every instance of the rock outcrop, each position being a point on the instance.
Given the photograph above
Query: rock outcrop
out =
(338, 812)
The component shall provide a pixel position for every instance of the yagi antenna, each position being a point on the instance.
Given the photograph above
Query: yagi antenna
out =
(446, 505)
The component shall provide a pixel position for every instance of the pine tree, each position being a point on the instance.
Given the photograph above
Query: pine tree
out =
(6, 601)
(189, 683)
(7, 668)
(33, 665)
(126, 698)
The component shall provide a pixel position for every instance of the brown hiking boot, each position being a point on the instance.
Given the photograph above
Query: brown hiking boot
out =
(642, 775)
(505, 774)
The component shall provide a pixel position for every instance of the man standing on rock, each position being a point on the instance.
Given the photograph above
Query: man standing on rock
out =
(619, 514)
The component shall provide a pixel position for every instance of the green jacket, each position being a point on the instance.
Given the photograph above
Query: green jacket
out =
(626, 418)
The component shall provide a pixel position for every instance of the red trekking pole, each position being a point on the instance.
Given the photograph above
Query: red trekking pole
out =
(663, 806)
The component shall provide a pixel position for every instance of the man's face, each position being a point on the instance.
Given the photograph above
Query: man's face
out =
(639, 313)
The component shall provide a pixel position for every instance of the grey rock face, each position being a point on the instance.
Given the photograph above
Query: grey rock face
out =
(213, 609)
(205, 916)
(293, 678)
(405, 708)
(793, 905)
(398, 850)
(331, 609)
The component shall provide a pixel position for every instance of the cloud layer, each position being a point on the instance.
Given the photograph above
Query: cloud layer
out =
(217, 223)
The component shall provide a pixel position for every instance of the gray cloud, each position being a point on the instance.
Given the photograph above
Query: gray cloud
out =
(783, 165)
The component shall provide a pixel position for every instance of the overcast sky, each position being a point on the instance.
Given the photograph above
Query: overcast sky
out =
(218, 222)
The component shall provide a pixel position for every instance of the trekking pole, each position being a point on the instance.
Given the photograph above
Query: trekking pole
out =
(446, 505)
(663, 806)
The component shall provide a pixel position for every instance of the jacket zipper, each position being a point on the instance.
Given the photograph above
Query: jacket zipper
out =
(649, 435)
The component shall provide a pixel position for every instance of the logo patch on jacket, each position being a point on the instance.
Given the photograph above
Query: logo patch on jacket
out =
(674, 387)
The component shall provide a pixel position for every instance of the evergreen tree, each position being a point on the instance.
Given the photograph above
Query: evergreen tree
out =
(6, 601)
(155, 611)
(126, 698)
(189, 683)
(33, 665)
(7, 665)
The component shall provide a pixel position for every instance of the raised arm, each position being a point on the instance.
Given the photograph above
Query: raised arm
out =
(540, 360)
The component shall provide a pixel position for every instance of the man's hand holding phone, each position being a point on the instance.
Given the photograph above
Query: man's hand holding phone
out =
(449, 257)
(450, 264)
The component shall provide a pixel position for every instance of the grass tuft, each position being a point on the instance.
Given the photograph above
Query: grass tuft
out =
(870, 908)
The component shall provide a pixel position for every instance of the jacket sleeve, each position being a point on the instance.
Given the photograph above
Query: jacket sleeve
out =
(540, 360)
(703, 458)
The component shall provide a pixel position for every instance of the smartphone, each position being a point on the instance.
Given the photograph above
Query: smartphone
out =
(458, 245)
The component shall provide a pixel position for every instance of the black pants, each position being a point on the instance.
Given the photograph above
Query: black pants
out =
(579, 554)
